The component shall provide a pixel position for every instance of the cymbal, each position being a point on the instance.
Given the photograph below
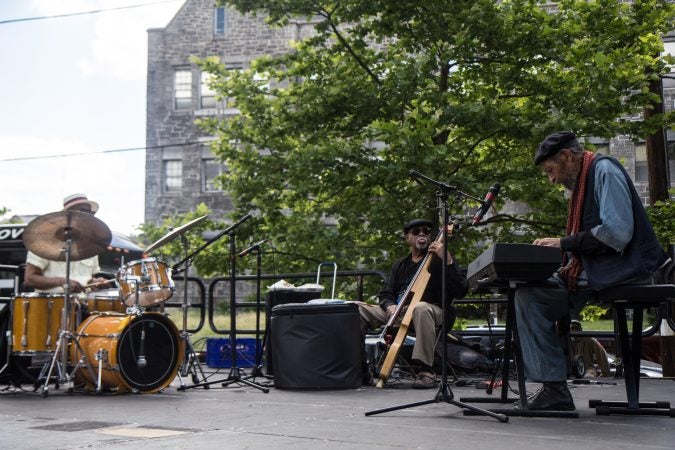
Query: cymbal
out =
(46, 235)
(173, 234)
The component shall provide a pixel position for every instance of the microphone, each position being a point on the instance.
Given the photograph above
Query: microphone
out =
(251, 248)
(486, 203)
(141, 361)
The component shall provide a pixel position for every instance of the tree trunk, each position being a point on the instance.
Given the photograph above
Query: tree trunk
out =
(657, 157)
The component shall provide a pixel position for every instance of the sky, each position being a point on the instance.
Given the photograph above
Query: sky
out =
(72, 98)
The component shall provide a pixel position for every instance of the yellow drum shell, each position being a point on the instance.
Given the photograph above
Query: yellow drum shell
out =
(36, 321)
(105, 301)
(153, 278)
(140, 353)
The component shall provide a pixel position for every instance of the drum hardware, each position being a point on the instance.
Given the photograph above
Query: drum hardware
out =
(101, 356)
(24, 338)
(65, 236)
(191, 365)
(235, 372)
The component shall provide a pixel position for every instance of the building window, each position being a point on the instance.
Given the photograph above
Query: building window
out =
(182, 87)
(207, 96)
(641, 170)
(211, 169)
(219, 17)
(173, 175)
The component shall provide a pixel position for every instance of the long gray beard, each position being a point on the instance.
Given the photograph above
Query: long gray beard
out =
(570, 183)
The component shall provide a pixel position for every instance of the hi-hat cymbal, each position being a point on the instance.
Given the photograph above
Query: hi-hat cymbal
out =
(173, 234)
(46, 235)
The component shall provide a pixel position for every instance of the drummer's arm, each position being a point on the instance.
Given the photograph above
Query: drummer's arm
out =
(34, 278)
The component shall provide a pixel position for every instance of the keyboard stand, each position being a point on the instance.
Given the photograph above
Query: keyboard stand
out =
(512, 348)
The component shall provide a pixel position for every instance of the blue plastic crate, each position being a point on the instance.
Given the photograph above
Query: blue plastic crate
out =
(218, 354)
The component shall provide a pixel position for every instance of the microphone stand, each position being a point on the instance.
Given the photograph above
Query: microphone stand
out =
(444, 393)
(257, 370)
(235, 372)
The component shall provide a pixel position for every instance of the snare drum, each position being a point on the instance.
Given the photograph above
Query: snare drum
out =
(105, 301)
(154, 282)
(128, 352)
(36, 321)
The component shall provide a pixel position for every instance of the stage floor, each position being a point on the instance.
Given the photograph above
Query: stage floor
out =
(240, 416)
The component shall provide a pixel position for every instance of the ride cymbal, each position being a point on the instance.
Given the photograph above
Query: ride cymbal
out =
(46, 235)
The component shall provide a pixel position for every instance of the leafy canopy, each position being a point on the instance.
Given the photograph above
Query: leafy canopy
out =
(461, 91)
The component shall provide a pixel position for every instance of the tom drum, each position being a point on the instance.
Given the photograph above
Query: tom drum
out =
(36, 321)
(151, 276)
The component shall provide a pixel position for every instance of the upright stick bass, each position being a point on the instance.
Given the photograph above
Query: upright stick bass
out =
(409, 300)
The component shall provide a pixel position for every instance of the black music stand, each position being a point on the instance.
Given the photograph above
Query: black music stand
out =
(444, 393)
(235, 372)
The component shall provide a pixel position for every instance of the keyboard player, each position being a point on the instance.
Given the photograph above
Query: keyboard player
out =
(609, 241)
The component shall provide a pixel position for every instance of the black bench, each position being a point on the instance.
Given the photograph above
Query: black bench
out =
(637, 298)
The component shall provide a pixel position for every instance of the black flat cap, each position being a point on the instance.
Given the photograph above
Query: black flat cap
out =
(416, 223)
(553, 144)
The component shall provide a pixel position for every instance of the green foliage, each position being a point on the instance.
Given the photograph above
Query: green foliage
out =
(461, 91)
(460, 324)
(592, 313)
(662, 217)
(208, 262)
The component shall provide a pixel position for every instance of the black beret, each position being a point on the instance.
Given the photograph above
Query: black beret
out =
(553, 144)
(416, 223)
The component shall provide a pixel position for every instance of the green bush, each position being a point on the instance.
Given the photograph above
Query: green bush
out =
(662, 216)
(592, 313)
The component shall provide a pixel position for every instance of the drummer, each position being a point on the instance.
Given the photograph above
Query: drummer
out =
(50, 276)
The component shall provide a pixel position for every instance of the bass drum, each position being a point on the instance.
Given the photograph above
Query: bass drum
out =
(138, 353)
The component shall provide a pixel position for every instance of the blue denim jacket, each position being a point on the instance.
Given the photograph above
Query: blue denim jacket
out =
(615, 216)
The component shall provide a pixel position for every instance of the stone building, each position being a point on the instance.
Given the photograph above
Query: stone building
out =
(180, 166)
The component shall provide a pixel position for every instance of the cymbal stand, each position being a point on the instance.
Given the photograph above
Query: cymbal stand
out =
(190, 363)
(65, 335)
(444, 393)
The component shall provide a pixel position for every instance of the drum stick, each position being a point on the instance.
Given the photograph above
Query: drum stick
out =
(100, 283)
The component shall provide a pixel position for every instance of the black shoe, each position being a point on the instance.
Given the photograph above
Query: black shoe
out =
(553, 396)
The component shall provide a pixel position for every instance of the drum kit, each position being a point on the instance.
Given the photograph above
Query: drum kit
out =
(107, 341)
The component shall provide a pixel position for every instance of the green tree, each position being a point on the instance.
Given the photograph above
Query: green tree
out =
(461, 91)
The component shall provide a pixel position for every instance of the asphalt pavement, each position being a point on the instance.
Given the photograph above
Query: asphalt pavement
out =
(241, 416)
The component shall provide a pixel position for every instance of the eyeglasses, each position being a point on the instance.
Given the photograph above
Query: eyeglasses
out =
(420, 230)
